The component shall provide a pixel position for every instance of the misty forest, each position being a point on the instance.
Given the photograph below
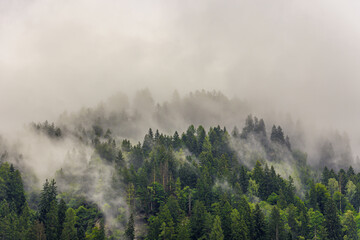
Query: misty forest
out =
(202, 182)
(179, 120)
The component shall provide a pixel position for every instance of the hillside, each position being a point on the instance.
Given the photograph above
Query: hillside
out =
(202, 183)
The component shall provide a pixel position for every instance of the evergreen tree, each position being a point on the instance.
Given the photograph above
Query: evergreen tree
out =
(176, 141)
(198, 220)
(239, 229)
(225, 217)
(81, 233)
(69, 231)
(36, 232)
(51, 223)
(349, 226)
(316, 225)
(24, 220)
(183, 232)
(15, 189)
(332, 221)
(276, 225)
(130, 228)
(61, 216)
(259, 224)
(244, 179)
(216, 232)
(48, 195)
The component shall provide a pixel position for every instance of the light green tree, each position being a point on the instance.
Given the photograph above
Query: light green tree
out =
(217, 232)
(350, 190)
(333, 186)
(349, 226)
(316, 225)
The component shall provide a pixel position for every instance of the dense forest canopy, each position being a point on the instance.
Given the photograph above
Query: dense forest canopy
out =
(266, 150)
(253, 181)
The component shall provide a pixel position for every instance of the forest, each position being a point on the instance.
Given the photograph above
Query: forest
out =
(179, 120)
(191, 185)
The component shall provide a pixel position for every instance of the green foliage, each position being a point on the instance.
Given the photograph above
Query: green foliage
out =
(259, 227)
(216, 232)
(199, 221)
(48, 197)
(51, 223)
(332, 221)
(239, 229)
(36, 232)
(207, 193)
(276, 225)
(349, 226)
(69, 231)
(130, 228)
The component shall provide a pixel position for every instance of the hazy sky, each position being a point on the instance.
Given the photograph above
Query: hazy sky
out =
(301, 57)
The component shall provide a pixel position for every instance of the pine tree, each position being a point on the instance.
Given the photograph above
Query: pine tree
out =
(276, 225)
(36, 232)
(216, 233)
(316, 225)
(349, 226)
(183, 231)
(69, 231)
(239, 229)
(198, 220)
(225, 217)
(61, 216)
(81, 233)
(51, 223)
(130, 228)
(15, 189)
(176, 141)
(259, 224)
(332, 221)
(48, 195)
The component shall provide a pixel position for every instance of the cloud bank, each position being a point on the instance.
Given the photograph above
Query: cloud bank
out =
(296, 57)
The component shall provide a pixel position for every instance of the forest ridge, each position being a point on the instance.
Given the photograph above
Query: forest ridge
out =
(193, 185)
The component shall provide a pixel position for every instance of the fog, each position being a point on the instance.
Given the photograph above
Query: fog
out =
(286, 57)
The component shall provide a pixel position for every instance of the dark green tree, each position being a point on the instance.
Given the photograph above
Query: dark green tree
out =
(276, 225)
(48, 195)
(61, 216)
(51, 223)
(332, 221)
(259, 224)
(130, 228)
(69, 231)
(183, 230)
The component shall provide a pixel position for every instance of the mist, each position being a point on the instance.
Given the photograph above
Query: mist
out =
(291, 56)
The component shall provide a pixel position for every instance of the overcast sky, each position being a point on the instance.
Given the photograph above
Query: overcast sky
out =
(301, 57)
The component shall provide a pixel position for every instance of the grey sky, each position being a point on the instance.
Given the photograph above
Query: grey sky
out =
(301, 57)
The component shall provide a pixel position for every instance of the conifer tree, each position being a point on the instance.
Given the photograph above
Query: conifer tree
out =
(61, 216)
(259, 224)
(216, 232)
(130, 228)
(276, 225)
(51, 223)
(183, 232)
(239, 229)
(48, 195)
(332, 221)
(69, 231)
(349, 226)
(36, 232)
